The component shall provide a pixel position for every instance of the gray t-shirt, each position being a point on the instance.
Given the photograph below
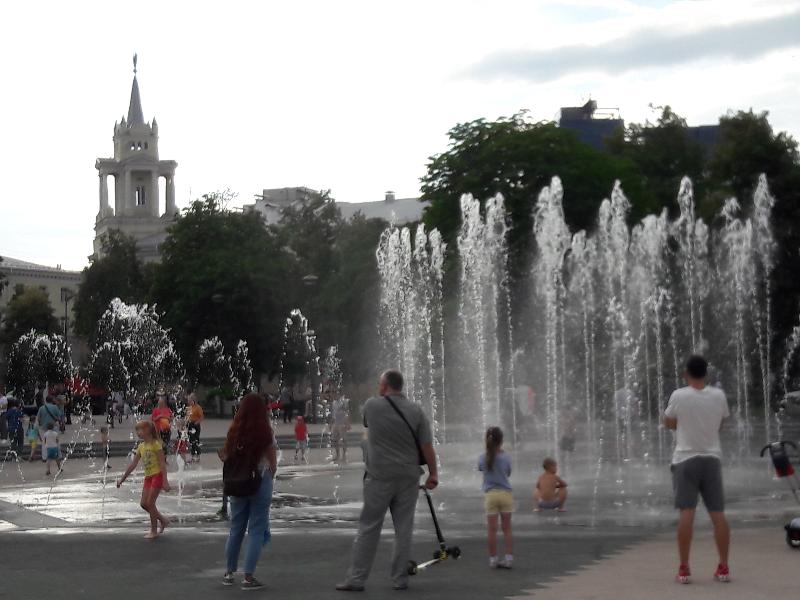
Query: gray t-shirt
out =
(391, 451)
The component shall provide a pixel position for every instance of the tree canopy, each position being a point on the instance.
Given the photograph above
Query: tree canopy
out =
(133, 352)
(28, 310)
(223, 274)
(118, 274)
(517, 158)
(35, 359)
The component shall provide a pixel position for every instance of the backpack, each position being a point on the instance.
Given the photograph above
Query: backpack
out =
(240, 475)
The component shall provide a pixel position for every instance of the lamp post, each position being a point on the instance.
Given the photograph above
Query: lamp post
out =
(66, 297)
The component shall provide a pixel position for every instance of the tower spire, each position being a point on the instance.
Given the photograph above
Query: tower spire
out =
(135, 114)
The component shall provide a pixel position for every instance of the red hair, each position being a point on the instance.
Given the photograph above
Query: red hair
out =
(250, 433)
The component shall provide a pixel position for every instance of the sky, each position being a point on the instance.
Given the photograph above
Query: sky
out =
(351, 96)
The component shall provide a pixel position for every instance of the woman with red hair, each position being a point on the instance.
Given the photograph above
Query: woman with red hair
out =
(250, 442)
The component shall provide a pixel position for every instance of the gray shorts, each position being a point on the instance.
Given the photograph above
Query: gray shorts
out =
(698, 476)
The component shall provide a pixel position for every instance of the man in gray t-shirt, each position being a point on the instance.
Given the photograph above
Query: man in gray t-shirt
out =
(391, 480)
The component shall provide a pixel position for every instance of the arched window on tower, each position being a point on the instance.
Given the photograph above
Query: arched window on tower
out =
(140, 195)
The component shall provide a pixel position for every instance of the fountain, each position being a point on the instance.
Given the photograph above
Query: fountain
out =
(612, 316)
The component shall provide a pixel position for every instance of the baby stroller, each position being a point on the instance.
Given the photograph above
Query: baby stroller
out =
(784, 469)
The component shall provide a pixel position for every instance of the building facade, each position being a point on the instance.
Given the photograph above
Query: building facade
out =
(398, 211)
(61, 287)
(135, 169)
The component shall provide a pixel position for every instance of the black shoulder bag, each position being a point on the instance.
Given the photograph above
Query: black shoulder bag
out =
(422, 460)
(240, 476)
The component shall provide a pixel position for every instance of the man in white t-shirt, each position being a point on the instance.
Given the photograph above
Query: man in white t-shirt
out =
(696, 413)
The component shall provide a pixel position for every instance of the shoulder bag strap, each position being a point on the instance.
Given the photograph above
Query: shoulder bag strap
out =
(411, 429)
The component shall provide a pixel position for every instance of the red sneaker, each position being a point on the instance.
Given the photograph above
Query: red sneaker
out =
(722, 574)
(684, 575)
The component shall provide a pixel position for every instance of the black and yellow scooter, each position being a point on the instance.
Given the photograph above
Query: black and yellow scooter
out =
(444, 552)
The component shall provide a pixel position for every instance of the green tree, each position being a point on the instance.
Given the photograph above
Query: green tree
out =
(133, 352)
(29, 309)
(746, 147)
(224, 274)
(213, 364)
(338, 283)
(35, 359)
(242, 369)
(517, 158)
(118, 274)
(662, 154)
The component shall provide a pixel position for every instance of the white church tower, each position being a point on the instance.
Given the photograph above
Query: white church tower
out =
(136, 170)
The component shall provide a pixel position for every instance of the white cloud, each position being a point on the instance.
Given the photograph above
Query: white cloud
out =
(352, 96)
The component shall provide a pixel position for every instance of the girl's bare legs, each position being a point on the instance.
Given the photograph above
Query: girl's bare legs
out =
(149, 507)
(148, 503)
(491, 523)
(164, 521)
(508, 542)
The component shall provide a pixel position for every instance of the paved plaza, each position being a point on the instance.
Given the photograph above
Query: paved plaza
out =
(87, 535)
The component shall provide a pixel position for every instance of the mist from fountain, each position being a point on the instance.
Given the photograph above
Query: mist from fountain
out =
(612, 315)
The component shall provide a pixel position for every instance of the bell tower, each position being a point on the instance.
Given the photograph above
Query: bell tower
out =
(136, 169)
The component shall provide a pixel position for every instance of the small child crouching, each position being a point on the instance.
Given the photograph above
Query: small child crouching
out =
(551, 490)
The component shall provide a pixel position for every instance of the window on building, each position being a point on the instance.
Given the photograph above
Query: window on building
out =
(140, 195)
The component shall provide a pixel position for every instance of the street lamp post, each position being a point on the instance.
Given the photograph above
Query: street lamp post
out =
(66, 297)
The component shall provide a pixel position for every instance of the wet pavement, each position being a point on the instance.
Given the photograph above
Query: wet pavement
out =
(94, 529)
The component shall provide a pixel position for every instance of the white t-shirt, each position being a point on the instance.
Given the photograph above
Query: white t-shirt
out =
(50, 439)
(699, 414)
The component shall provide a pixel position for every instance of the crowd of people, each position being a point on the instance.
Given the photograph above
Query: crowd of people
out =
(398, 444)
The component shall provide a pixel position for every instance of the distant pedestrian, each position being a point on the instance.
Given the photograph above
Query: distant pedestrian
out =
(32, 435)
(399, 437)
(194, 417)
(3, 409)
(162, 419)
(300, 439)
(13, 418)
(697, 412)
(339, 428)
(50, 448)
(48, 413)
(495, 464)
(250, 466)
(287, 404)
(151, 452)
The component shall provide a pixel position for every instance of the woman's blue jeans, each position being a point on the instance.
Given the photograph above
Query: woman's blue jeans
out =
(251, 514)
